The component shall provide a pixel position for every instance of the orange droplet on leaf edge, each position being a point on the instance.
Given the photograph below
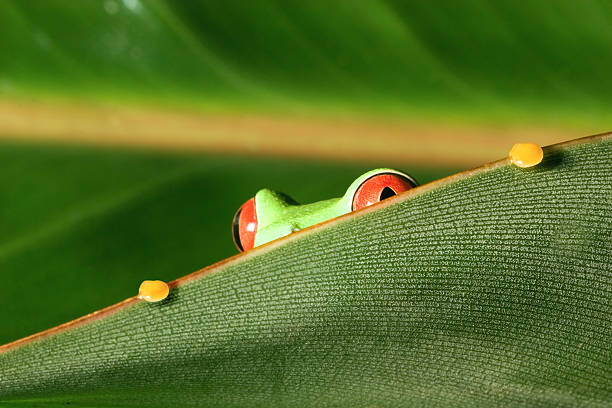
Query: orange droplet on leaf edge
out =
(526, 154)
(153, 291)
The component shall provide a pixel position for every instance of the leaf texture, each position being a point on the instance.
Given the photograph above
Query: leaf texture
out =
(489, 288)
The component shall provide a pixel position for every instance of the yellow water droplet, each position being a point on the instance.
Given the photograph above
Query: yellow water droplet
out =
(153, 291)
(526, 154)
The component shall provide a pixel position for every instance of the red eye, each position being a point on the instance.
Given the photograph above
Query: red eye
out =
(244, 226)
(380, 187)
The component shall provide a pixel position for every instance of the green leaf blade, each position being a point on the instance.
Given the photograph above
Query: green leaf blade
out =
(491, 288)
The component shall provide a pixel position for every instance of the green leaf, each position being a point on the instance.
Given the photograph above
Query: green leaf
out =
(489, 288)
(526, 63)
(80, 228)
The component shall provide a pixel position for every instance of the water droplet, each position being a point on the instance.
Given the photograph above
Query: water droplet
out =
(526, 154)
(153, 291)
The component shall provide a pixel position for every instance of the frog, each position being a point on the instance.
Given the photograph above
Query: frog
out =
(271, 215)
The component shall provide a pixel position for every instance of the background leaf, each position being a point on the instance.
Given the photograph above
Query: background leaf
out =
(474, 60)
(487, 289)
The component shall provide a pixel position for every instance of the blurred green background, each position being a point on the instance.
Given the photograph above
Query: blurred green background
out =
(535, 61)
(449, 83)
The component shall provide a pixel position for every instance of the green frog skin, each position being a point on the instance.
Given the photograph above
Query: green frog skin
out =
(271, 215)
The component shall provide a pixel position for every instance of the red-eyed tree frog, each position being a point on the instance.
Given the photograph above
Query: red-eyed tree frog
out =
(271, 215)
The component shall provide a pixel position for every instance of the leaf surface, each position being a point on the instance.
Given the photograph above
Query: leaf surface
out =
(489, 288)
(80, 227)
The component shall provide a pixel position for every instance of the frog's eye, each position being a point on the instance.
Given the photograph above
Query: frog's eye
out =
(244, 226)
(380, 187)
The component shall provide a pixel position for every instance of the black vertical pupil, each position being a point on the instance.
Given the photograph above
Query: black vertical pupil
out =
(236, 230)
(386, 193)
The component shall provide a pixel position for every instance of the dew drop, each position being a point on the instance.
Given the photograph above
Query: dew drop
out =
(526, 154)
(153, 291)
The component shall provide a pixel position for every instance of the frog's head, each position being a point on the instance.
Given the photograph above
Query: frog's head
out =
(271, 215)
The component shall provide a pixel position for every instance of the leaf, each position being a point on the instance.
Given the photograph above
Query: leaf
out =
(468, 60)
(80, 228)
(488, 288)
